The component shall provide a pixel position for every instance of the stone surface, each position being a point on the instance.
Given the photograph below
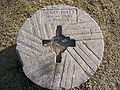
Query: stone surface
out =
(78, 63)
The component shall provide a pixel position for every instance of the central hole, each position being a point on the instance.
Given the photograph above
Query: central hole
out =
(59, 43)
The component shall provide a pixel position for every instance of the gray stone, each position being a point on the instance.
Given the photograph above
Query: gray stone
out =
(78, 63)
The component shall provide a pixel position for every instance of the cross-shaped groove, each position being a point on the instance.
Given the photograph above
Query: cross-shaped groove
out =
(59, 43)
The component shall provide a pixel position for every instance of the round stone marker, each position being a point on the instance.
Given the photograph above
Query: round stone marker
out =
(60, 47)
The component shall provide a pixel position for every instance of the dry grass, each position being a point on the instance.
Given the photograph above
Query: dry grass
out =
(14, 12)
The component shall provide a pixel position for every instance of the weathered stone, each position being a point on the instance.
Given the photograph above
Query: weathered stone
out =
(78, 63)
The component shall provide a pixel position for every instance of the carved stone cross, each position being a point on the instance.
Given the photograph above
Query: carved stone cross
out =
(59, 43)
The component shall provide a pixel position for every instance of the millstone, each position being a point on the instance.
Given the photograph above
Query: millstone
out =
(60, 47)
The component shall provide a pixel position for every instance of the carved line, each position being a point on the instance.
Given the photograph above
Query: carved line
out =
(73, 24)
(45, 71)
(47, 31)
(91, 50)
(28, 55)
(90, 39)
(84, 33)
(31, 35)
(28, 46)
(46, 61)
(83, 22)
(87, 55)
(91, 32)
(33, 27)
(52, 28)
(83, 59)
(63, 70)
(54, 76)
(67, 73)
(46, 34)
(25, 54)
(47, 64)
(73, 74)
(38, 25)
(40, 70)
(49, 81)
(76, 15)
(64, 27)
(35, 41)
(77, 63)
(32, 53)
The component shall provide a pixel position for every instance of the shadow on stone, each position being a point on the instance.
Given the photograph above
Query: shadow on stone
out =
(12, 76)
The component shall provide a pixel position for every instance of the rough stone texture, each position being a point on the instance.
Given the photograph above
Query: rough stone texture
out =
(78, 63)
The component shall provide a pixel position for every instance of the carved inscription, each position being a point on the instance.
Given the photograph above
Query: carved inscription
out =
(59, 15)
